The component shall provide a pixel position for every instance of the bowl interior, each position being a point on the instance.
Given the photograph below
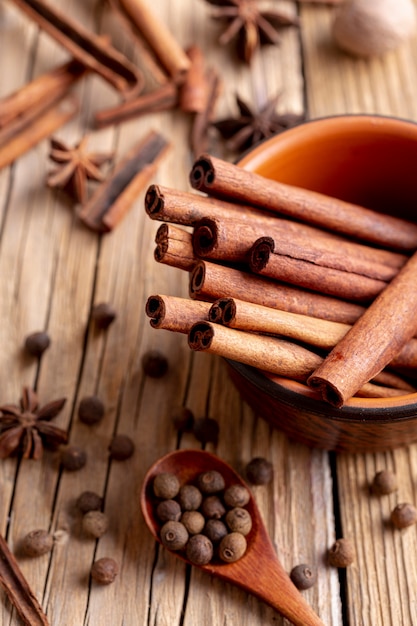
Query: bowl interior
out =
(365, 159)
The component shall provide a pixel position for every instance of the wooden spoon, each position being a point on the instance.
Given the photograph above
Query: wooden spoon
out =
(259, 571)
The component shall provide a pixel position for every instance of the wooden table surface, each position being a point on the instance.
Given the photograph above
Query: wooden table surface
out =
(53, 270)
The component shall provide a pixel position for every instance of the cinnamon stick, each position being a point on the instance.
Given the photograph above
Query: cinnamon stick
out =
(175, 314)
(174, 247)
(228, 181)
(114, 197)
(85, 46)
(349, 285)
(211, 281)
(373, 341)
(193, 91)
(18, 590)
(41, 127)
(202, 119)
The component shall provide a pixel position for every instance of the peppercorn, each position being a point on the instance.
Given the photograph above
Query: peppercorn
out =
(183, 419)
(384, 482)
(215, 530)
(121, 448)
(95, 523)
(91, 410)
(199, 550)
(174, 535)
(154, 364)
(212, 507)
(103, 315)
(239, 520)
(89, 501)
(73, 458)
(104, 571)
(166, 485)
(37, 343)
(193, 521)
(303, 576)
(341, 553)
(404, 515)
(259, 471)
(189, 497)
(232, 547)
(206, 430)
(236, 495)
(210, 482)
(168, 510)
(37, 542)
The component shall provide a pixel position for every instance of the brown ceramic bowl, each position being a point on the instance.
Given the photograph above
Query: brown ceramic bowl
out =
(369, 160)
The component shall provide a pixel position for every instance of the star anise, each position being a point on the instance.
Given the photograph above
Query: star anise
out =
(76, 166)
(250, 127)
(251, 25)
(27, 428)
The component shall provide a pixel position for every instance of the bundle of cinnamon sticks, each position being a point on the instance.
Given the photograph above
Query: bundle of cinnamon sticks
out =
(290, 281)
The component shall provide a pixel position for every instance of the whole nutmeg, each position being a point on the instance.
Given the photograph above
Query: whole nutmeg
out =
(174, 535)
(166, 485)
(366, 28)
(232, 547)
(384, 482)
(121, 448)
(212, 507)
(210, 482)
(199, 550)
(193, 521)
(215, 530)
(91, 410)
(236, 495)
(190, 498)
(303, 576)
(36, 343)
(103, 314)
(168, 510)
(341, 553)
(259, 471)
(37, 542)
(95, 523)
(89, 501)
(404, 515)
(154, 363)
(239, 520)
(104, 570)
(73, 458)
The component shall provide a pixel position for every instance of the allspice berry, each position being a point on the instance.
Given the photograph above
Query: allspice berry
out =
(193, 521)
(168, 510)
(91, 410)
(206, 430)
(303, 576)
(95, 523)
(210, 482)
(183, 419)
(215, 530)
(89, 501)
(259, 471)
(199, 550)
(37, 542)
(341, 553)
(212, 507)
(174, 535)
(232, 547)
(166, 485)
(104, 570)
(103, 314)
(190, 498)
(404, 515)
(384, 482)
(73, 458)
(121, 447)
(154, 363)
(239, 520)
(36, 343)
(236, 495)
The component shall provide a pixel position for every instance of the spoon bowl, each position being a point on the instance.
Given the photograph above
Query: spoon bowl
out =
(259, 571)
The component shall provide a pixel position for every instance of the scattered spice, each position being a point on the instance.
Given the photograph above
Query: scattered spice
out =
(239, 520)
(103, 314)
(199, 550)
(250, 126)
(210, 482)
(27, 428)
(95, 523)
(303, 576)
(166, 485)
(168, 510)
(154, 363)
(404, 515)
(259, 471)
(121, 448)
(341, 553)
(174, 535)
(232, 547)
(89, 501)
(36, 343)
(206, 430)
(75, 167)
(189, 497)
(236, 496)
(37, 543)
(183, 419)
(73, 458)
(193, 521)
(91, 410)
(252, 25)
(104, 571)
(384, 482)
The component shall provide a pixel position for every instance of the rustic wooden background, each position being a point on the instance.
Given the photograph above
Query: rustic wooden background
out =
(53, 270)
